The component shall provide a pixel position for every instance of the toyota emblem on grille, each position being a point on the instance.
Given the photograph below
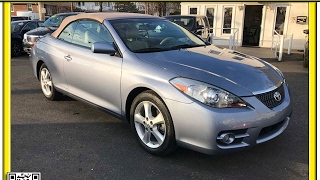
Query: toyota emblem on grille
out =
(277, 96)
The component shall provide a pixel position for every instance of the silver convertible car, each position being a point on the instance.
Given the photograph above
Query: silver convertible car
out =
(173, 88)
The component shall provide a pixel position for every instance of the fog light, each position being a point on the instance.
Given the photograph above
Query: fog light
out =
(227, 138)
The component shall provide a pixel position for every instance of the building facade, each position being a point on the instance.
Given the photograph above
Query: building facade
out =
(32, 7)
(52, 8)
(94, 6)
(260, 24)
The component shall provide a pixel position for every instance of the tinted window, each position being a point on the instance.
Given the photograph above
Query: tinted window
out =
(54, 21)
(16, 26)
(88, 32)
(186, 22)
(67, 33)
(40, 23)
(30, 26)
(18, 18)
(149, 35)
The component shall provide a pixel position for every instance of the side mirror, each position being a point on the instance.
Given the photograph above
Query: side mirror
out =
(103, 47)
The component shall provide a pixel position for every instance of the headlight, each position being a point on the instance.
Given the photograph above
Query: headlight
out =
(207, 94)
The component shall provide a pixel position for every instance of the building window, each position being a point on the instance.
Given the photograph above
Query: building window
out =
(12, 9)
(210, 15)
(280, 20)
(96, 3)
(82, 3)
(227, 19)
(79, 3)
(193, 10)
(29, 7)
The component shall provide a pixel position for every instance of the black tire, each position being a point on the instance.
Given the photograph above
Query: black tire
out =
(16, 48)
(47, 85)
(168, 145)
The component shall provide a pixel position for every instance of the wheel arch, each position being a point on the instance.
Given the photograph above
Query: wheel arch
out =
(39, 63)
(133, 94)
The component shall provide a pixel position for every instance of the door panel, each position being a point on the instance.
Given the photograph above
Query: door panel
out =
(94, 77)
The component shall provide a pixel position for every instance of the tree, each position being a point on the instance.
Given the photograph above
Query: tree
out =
(162, 8)
(125, 7)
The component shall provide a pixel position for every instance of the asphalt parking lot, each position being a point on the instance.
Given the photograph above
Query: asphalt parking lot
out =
(68, 139)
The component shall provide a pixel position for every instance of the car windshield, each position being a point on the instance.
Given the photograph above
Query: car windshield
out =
(54, 21)
(150, 35)
(186, 22)
(16, 26)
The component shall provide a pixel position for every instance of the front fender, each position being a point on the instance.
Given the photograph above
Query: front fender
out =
(140, 74)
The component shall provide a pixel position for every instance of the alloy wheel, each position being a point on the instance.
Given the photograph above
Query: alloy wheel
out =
(46, 82)
(150, 124)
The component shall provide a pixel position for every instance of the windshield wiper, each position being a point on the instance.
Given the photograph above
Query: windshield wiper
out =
(183, 46)
(152, 49)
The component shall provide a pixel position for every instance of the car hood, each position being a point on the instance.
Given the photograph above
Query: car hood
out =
(41, 31)
(238, 73)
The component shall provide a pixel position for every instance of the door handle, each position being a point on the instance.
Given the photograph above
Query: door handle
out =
(68, 58)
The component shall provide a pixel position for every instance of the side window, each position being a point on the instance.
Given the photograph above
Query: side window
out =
(67, 33)
(88, 32)
(29, 26)
(40, 23)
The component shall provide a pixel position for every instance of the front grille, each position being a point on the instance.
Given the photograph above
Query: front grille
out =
(268, 97)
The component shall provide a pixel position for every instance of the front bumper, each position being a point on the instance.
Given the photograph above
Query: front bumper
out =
(27, 46)
(29, 41)
(199, 127)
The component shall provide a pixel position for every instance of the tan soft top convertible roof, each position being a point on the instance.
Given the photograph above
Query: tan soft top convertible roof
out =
(98, 17)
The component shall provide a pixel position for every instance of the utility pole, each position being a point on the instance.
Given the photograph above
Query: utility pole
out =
(71, 6)
(40, 7)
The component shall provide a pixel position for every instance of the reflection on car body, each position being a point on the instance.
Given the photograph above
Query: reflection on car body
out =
(165, 81)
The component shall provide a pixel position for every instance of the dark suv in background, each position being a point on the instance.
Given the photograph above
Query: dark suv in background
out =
(19, 18)
(195, 23)
(18, 29)
(48, 26)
